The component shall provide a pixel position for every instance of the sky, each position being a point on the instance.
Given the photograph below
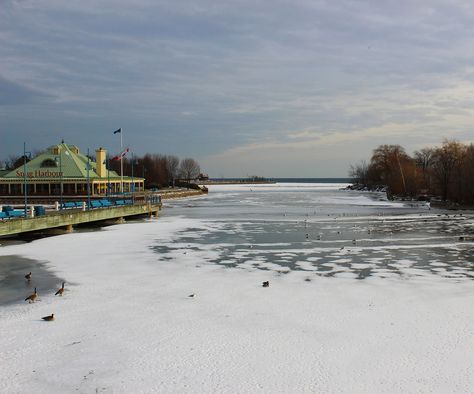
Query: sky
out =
(275, 88)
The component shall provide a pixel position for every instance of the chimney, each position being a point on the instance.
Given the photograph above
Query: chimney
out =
(100, 157)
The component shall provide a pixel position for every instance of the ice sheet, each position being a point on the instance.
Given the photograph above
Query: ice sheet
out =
(126, 322)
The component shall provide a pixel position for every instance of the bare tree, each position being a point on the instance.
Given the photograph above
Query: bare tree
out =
(172, 166)
(467, 175)
(15, 161)
(189, 169)
(359, 173)
(446, 161)
(389, 163)
(424, 161)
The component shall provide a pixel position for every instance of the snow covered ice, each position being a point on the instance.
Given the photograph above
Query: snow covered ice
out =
(391, 313)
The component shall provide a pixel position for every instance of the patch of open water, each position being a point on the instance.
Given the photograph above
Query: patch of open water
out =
(13, 285)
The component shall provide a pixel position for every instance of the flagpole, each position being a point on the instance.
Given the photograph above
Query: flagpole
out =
(121, 162)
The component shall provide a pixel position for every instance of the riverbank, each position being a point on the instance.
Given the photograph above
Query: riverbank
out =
(434, 202)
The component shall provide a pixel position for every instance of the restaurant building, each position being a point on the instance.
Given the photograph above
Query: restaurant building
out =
(64, 170)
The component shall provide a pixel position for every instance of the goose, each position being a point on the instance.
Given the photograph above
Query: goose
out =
(28, 276)
(60, 291)
(192, 295)
(48, 318)
(266, 284)
(32, 297)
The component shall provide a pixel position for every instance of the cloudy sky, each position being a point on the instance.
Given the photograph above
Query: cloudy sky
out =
(299, 88)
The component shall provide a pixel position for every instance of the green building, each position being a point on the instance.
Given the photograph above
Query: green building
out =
(64, 167)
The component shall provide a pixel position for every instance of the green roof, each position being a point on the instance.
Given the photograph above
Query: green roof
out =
(60, 158)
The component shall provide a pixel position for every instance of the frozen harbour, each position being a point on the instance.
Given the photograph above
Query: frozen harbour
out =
(365, 296)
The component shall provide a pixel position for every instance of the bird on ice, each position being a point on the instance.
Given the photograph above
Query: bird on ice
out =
(48, 318)
(192, 295)
(60, 291)
(32, 297)
(266, 284)
(28, 276)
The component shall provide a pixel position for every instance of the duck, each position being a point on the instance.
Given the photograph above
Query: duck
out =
(266, 284)
(28, 276)
(32, 297)
(48, 318)
(60, 291)
(192, 295)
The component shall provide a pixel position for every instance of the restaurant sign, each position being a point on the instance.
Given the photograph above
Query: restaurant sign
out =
(40, 174)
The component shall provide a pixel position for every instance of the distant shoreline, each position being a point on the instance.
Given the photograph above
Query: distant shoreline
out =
(242, 181)
(235, 182)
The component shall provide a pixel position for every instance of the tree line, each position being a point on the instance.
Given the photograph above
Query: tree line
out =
(158, 170)
(446, 172)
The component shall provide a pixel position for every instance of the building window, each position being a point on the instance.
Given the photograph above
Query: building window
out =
(49, 163)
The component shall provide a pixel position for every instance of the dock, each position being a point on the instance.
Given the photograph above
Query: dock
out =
(66, 219)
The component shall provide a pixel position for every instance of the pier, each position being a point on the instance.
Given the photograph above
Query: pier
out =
(67, 219)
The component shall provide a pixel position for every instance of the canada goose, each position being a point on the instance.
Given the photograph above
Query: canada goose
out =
(60, 291)
(28, 276)
(49, 318)
(32, 297)
(266, 284)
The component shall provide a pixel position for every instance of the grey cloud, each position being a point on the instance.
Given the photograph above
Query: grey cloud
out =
(247, 71)
(14, 93)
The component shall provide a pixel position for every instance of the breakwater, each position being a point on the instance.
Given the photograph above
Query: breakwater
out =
(169, 194)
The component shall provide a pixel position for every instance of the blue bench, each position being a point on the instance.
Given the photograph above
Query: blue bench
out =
(128, 202)
(105, 203)
(67, 205)
(120, 202)
(17, 213)
(96, 204)
(3, 215)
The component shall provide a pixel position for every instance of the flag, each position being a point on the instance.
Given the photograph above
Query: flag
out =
(118, 131)
(122, 154)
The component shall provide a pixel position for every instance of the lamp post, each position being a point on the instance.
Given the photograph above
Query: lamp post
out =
(25, 186)
(108, 176)
(60, 178)
(88, 181)
(133, 181)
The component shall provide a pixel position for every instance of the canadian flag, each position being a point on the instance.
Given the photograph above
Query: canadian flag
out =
(122, 154)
